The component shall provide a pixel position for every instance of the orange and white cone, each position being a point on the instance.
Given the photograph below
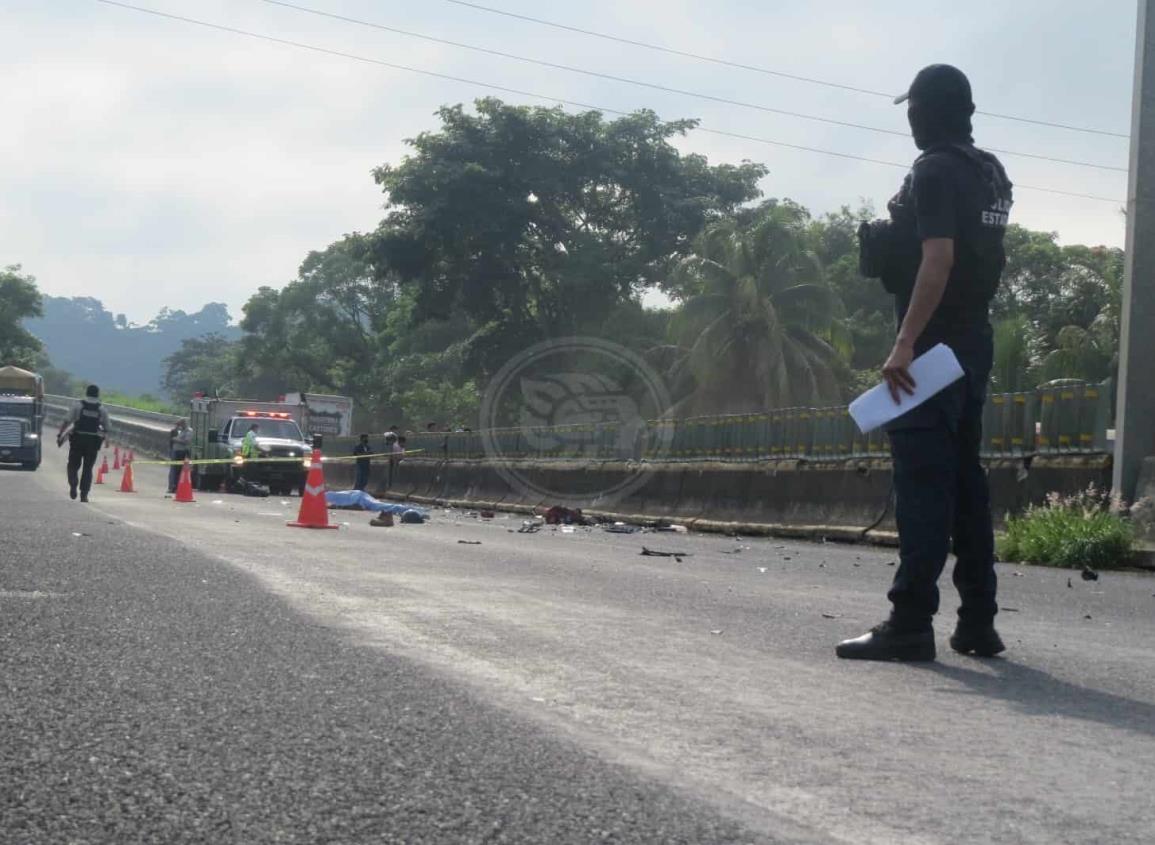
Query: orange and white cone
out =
(184, 486)
(103, 471)
(126, 479)
(314, 511)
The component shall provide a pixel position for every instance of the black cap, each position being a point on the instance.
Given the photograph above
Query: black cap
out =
(92, 391)
(941, 84)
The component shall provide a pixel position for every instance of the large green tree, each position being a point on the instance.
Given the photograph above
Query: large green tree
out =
(536, 223)
(19, 300)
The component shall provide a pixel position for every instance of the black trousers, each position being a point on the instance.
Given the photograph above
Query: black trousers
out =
(942, 495)
(82, 450)
(361, 479)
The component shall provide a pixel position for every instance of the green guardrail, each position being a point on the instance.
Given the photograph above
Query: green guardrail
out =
(1062, 418)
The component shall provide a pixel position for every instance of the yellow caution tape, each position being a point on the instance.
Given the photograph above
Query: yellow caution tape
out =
(247, 461)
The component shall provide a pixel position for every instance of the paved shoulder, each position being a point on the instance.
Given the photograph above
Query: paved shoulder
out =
(148, 693)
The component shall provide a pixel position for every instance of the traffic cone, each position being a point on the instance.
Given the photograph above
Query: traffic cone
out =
(131, 456)
(184, 486)
(103, 471)
(126, 479)
(314, 512)
(116, 458)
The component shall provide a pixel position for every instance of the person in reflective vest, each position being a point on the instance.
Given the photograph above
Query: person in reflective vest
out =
(87, 427)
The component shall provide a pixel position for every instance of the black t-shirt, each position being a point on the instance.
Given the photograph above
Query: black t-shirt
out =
(962, 193)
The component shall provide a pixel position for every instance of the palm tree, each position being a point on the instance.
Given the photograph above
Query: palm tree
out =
(758, 327)
(1013, 369)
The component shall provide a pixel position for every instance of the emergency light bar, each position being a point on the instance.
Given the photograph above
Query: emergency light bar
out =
(280, 415)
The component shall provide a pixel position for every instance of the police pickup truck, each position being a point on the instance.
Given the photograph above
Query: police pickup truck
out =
(219, 428)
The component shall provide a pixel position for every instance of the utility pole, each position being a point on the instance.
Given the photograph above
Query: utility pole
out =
(1135, 412)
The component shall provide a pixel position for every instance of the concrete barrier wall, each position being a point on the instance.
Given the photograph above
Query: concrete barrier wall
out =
(844, 497)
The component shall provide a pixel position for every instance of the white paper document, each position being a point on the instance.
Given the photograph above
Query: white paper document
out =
(932, 371)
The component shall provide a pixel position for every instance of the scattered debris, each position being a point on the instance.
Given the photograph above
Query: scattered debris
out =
(1088, 616)
(762, 569)
(218, 501)
(820, 566)
(831, 615)
(858, 564)
(469, 542)
(529, 527)
(621, 528)
(667, 528)
(893, 563)
(1070, 586)
(787, 557)
(80, 534)
(558, 515)
(1090, 574)
(1016, 575)
(568, 529)
(1009, 609)
(736, 551)
(655, 553)
(285, 503)
(487, 514)
(716, 632)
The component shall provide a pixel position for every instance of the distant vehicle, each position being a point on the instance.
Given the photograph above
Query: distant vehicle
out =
(219, 428)
(21, 417)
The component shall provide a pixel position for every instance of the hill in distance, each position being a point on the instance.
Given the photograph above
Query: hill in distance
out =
(81, 337)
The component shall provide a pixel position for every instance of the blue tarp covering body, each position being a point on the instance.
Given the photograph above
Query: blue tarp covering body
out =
(361, 499)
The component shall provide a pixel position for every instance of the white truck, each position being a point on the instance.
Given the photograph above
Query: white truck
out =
(219, 427)
(21, 417)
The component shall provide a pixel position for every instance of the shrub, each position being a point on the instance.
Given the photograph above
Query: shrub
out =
(1086, 529)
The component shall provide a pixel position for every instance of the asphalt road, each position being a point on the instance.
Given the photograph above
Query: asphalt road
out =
(204, 673)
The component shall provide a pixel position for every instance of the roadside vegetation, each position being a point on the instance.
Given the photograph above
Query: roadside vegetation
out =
(1088, 529)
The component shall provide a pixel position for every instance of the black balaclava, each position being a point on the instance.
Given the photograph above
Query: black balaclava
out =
(939, 107)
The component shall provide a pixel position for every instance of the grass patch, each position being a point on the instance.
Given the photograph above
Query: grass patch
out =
(1086, 529)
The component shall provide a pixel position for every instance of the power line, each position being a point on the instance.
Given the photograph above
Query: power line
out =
(505, 89)
(757, 69)
(654, 86)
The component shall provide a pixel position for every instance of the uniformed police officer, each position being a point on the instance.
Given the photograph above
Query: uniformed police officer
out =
(89, 427)
(941, 255)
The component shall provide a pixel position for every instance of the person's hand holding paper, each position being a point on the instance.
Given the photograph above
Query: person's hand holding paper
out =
(929, 374)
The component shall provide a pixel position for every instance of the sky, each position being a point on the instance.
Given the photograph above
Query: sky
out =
(149, 162)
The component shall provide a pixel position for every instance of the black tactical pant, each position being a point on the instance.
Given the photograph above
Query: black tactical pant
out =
(82, 450)
(941, 494)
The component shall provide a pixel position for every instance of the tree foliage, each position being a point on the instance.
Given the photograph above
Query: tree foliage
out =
(19, 300)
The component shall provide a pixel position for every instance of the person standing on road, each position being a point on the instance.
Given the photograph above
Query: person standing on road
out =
(89, 426)
(180, 447)
(361, 479)
(941, 255)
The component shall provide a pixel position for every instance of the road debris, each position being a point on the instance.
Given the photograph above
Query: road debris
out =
(529, 527)
(716, 632)
(831, 615)
(1090, 574)
(656, 553)
(487, 514)
(469, 542)
(621, 528)
(762, 569)
(736, 551)
(568, 529)
(1070, 586)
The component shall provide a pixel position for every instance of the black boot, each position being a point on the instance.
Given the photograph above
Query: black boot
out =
(978, 638)
(884, 642)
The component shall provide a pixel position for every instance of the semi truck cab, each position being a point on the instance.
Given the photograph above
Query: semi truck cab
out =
(21, 417)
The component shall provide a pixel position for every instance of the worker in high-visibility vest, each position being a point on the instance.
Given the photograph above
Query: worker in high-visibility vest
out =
(249, 444)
